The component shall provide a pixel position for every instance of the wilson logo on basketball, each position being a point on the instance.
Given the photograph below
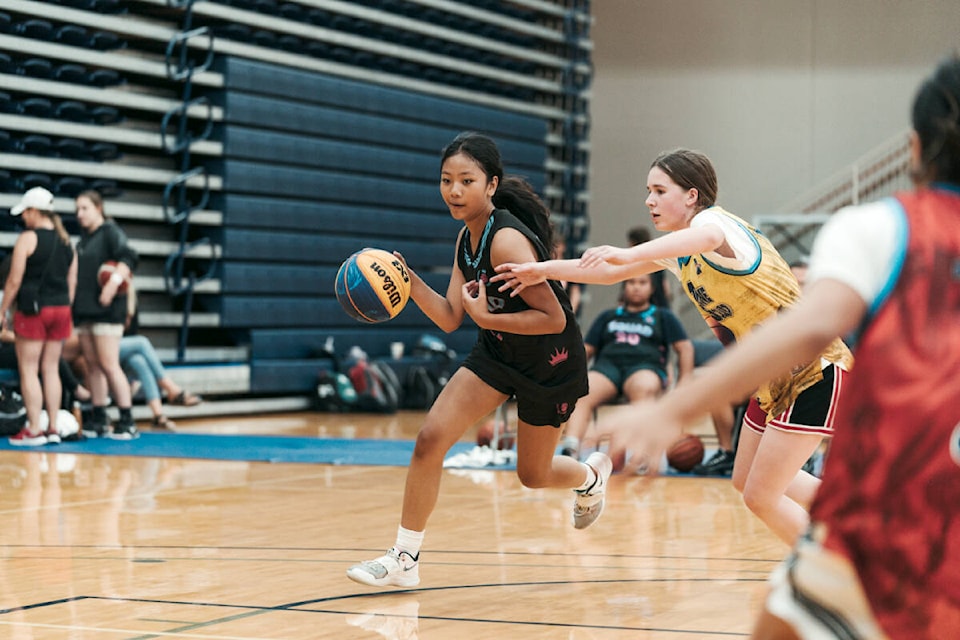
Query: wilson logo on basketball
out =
(389, 286)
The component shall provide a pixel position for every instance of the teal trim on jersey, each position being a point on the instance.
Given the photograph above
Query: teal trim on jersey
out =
(899, 255)
(473, 262)
(946, 186)
(740, 272)
(621, 310)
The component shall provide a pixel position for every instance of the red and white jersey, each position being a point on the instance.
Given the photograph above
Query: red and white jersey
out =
(890, 498)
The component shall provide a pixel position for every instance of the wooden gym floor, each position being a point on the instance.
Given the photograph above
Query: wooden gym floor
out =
(97, 547)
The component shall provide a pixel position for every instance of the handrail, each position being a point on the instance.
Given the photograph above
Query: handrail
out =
(177, 208)
(173, 268)
(183, 208)
(185, 65)
(878, 172)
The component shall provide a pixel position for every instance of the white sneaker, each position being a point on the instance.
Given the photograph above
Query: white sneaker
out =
(395, 569)
(588, 504)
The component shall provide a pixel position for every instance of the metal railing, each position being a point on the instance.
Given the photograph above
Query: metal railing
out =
(177, 136)
(878, 173)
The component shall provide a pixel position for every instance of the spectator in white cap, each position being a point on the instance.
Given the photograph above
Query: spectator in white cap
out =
(41, 283)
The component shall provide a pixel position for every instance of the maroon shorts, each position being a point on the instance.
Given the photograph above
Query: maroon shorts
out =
(812, 412)
(52, 323)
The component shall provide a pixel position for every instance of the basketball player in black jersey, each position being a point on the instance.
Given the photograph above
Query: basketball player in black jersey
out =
(528, 346)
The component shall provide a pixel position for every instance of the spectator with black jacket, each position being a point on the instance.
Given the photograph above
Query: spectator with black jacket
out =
(99, 314)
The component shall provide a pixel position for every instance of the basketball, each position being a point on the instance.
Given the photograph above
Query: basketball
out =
(686, 452)
(104, 273)
(67, 424)
(373, 285)
(485, 435)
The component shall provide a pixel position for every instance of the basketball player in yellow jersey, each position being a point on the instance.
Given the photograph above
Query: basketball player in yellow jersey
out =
(738, 280)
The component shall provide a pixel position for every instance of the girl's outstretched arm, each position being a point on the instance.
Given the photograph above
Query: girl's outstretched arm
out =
(520, 276)
(609, 265)
(676, 244)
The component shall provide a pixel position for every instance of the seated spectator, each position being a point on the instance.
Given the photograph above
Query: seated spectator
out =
(142, 365)
(630, 345)
(662, 296)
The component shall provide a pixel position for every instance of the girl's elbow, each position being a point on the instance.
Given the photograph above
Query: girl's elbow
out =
(555, 325)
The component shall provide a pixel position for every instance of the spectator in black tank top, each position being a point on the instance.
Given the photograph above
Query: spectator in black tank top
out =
(42, 282)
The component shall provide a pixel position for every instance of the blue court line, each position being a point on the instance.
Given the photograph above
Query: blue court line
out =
(261, 448)
(251, 448)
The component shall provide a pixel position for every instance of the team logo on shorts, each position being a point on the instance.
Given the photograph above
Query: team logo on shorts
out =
(559, 356)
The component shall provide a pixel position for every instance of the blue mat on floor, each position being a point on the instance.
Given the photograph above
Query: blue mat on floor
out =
(250, 448)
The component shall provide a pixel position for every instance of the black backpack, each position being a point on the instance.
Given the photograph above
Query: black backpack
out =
(335, 392)
(420, 388)
(13, 415)
(377, 386)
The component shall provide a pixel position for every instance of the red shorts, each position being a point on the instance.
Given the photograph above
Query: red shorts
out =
(812, 412)
(52, 323)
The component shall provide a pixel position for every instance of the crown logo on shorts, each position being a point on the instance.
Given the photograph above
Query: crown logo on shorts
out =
(559, 355)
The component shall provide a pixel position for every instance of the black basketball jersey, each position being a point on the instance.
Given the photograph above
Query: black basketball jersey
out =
(539, 357)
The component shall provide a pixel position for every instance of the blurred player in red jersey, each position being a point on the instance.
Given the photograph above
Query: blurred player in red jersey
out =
(881, 559)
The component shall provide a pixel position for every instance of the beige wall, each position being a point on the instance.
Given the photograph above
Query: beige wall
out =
(781, 94)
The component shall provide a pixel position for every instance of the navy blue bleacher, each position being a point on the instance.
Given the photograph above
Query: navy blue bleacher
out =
(245, 278)
(347, 218)
(241, 176)
(252, 77)
(325, 247)
(316, 167)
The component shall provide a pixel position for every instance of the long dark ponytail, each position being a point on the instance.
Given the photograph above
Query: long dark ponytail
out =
(517, 196)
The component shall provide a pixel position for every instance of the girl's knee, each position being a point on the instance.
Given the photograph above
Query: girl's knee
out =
(757, 501)
(739, 480)
(532, 478)
(430, 443)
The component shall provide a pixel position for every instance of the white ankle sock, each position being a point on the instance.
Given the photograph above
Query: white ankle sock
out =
(409, 541)
(591, 478)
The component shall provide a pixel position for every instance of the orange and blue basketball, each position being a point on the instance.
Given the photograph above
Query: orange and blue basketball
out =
(373, 285)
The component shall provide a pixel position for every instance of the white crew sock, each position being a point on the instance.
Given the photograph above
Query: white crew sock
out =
(409, 541)
(591, 478)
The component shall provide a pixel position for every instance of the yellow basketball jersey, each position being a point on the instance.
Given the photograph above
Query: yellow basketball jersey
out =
(735, 300)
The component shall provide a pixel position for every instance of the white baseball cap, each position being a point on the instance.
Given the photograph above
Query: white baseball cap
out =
(36, 198)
